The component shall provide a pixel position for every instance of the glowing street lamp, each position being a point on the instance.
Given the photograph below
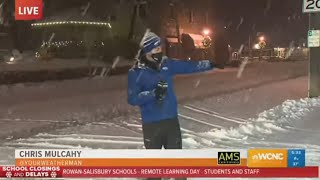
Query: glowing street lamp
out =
(262, 38)
(206, 32)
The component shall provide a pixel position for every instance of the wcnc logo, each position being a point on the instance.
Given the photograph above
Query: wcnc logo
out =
(267, 158)
(28, 9)
(229, 158)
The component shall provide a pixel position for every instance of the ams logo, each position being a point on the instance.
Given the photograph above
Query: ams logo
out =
(229, 158)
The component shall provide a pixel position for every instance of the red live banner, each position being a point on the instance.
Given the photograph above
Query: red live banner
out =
(148, 172)
(28, 9)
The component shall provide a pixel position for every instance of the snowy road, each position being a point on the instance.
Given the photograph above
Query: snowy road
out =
(28, 109)
(205, 123)
(252, 117)
(293, 124)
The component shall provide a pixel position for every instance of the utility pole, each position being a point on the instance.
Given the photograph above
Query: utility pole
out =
(176, 14)
(314, 55)
(250, 41)
(313, 8)
(250, 47)
(133, 19)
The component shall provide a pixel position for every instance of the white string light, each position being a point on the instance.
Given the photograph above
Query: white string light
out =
(68, 43)
(72, 22)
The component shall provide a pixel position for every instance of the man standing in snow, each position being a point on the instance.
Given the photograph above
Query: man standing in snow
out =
(150, 86)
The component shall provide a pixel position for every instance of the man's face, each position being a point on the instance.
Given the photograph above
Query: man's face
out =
(155, 55)
(156, 50)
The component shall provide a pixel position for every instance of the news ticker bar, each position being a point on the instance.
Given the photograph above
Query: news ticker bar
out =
(159, 158)
(145, 172)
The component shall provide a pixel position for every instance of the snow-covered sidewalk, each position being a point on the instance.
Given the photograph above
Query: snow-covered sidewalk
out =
(28, 69)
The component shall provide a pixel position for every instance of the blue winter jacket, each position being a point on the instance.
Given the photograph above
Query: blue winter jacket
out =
(143, 80)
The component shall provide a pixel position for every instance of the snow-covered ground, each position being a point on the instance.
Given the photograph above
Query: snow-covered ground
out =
(63, 100)
(82, 114)
(28, 62)
(293, 124)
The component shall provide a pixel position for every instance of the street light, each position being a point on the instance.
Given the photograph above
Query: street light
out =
(206, 32)
(262, 38)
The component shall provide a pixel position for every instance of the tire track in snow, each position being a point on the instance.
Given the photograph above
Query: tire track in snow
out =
(36, 120)
(72, 140)
(78, 140)
(190, 126)
(89, 136)
(43, 145)
(215, 114)
(198, 121)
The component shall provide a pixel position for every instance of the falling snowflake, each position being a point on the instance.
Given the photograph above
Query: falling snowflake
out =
(241, 49)
(116, 61)
(51, 38)
(1, 13)
(240, 23)
(290, 50)
(197, 83)
(85, 9)
(242, 66)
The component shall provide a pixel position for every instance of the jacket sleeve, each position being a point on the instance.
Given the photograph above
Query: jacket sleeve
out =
(187, 67)
(136, 97)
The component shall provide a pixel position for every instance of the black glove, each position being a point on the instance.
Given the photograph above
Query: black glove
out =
(161, 90)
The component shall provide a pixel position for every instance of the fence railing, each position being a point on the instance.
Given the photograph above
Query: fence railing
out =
(274, 54)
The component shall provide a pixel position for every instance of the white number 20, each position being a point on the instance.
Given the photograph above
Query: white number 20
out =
(311, 4)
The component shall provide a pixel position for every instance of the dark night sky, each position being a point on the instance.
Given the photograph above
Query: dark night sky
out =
(283, 22)
(274, 23)
(252, 10)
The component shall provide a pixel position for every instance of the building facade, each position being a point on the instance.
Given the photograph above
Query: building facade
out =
(130, 18)
(170, 19)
